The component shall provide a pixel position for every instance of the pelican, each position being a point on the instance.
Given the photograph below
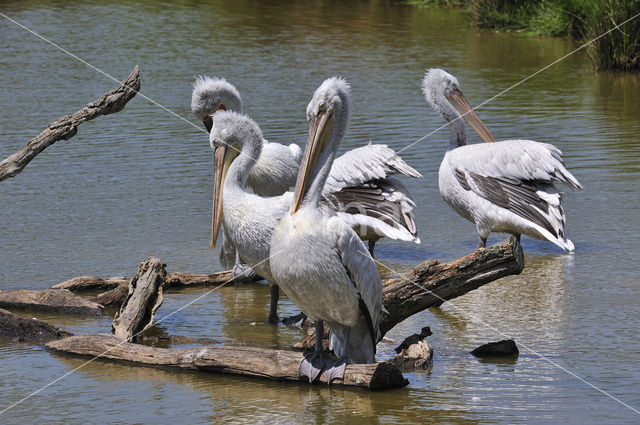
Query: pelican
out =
(506, 186)
(248, 219)
(318, 259)
(360, 181)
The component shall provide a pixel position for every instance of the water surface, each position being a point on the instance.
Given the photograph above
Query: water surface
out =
(139, 182)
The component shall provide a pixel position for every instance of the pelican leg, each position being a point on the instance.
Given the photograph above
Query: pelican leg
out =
(482, 243)
(312, 364)
(296, 320)
(372, 244)
(334, 369)
(273, 307)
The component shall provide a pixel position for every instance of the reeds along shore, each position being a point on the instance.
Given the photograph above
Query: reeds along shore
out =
(583, 20)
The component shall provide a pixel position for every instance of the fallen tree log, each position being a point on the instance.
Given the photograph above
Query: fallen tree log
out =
(143, 299)
(113, 298)
(15, 327)
(430, 283)
(238, 360)
(173, 280)
(89, 283)
(67, 126)
(116, 288)
(51, 300)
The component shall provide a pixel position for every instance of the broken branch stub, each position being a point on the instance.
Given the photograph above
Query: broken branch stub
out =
(143, 299)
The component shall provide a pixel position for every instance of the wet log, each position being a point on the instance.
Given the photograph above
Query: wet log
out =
(89, 283)
(67, 126)
(173, 280)
(50, 300)
(143, 299)
(281, 365)
(430, 283)
(19, 329)
(113, 298)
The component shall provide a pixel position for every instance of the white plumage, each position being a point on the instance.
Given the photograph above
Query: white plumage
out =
(317, 258)
(505, 186)
(387, 206)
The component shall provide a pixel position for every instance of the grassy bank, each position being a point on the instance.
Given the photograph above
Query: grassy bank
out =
(581, 19)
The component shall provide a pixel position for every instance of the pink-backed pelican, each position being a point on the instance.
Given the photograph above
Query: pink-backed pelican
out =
(360, 180)
(507, 186)
(318, 259)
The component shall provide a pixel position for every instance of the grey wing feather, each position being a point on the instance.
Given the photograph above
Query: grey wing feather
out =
(518, 175)
(362, 271)
(366, 163)
(381, 207)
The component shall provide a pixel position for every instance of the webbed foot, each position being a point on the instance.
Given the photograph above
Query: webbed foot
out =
(311, 366)
(296, 320)
(334, 369)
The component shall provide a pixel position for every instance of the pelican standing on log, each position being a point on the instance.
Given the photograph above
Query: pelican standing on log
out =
(505, 186)
(318, 259)
(360, 181)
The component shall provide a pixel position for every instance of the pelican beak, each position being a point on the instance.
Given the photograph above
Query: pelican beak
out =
(223, 156)
(208, 123)
(320, 127)
(462, 106)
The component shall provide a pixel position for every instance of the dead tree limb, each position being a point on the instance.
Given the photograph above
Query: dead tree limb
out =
(144, 298)
(51, 300)
(431, 282)
(67, 126)
(279, 365)
(89, 283)
(15, 327)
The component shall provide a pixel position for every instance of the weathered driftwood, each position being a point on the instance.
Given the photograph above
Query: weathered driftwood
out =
(431, 282)
(238, 360)
(67, 126)
(173, 280)
(51, 300)
(116, 288)
(418, 355)
(15, 327)
(113, 298)
(89, 283)
(144, 298)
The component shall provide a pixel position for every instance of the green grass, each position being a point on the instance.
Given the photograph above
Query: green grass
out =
(581, 19)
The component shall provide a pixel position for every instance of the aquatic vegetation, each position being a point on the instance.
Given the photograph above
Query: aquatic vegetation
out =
(582, 19)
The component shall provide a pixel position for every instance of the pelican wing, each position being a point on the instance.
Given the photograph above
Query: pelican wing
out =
(517, 175)
(366, 163)
(382, 206)
(362, 272)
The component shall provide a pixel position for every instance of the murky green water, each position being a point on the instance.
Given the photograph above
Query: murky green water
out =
(138, 183)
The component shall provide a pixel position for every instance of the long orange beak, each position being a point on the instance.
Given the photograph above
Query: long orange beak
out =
(222, 157)
(462, 106)
(320, 128)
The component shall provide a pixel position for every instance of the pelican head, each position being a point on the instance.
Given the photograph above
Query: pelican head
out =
(328, 115)
(231, 134)
(211, 95)
(442, 92)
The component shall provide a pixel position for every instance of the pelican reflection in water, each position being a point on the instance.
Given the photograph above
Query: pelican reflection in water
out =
(506, 186)
(318, 259)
